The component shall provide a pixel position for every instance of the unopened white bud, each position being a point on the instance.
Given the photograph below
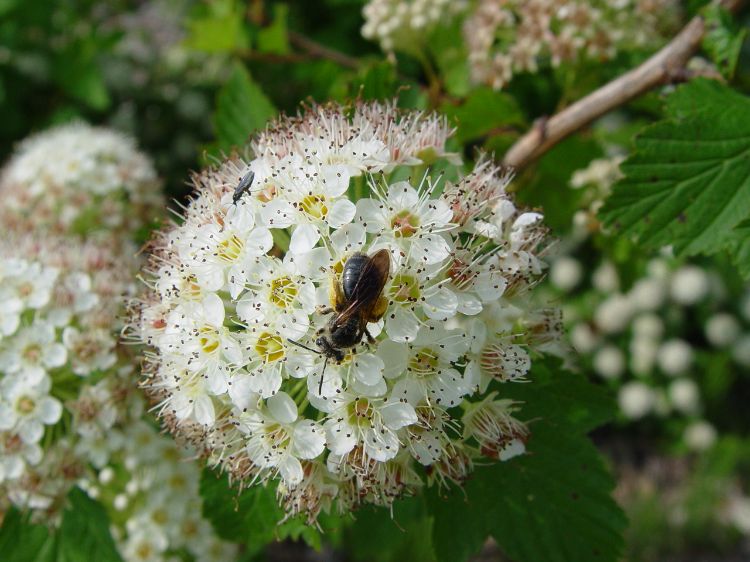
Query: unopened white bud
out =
(648, 326)
(120, 502)
(722, 329)
(699, 435)
(636, 400)
(684, 396)
(605, 278)
(609, 362)
(648, 294)
(583, 338)
(689, 285)
(675, 357)
(643, 352)
(566, 273)
(613, 315)
(106, 475)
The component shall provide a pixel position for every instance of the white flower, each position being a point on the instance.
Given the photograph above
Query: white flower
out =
(211, 348)
(493, 426)
(89, 351)
(33, 352)
(278, 439)
(16, 454)
(369, 422)
(219, 254)
(26, 407)
(279, 298)
(409, 220)
(427, 368)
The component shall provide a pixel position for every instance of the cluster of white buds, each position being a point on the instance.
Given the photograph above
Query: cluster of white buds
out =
(331, 315)
(404, 25)
(151, 490)
(77, 179)
(642, 339)
(506, 37)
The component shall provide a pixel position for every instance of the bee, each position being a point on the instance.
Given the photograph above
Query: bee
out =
(357, 300)
(245, 182)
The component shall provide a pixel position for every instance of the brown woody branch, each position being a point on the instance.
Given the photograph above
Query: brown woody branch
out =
(318, 51)
(665, 66)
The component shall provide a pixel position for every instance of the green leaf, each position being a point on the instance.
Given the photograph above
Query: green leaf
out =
(377, 83)
(379, 535)
(737, 243)
(21, 541)
(273, 38)
(83, 535)
(252, 516)
(241, 109)
(723, 38)
(688, 182)
(483, 113)
(553, 503)
(78, 73)
(220, 30)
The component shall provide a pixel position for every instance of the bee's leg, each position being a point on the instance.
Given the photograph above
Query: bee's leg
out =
(321, 309)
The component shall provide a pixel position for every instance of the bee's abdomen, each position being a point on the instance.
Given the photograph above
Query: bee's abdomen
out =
(352, 272)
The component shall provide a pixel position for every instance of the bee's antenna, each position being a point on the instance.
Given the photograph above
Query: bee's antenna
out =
(322, 374)
(303, 346)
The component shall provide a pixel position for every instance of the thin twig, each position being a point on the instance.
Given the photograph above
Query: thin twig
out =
(665, 66)
(318, 51)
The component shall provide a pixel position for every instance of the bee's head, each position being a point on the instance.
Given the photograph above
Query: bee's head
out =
(321, 342)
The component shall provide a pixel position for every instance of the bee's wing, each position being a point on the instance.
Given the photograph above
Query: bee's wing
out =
(369, 286)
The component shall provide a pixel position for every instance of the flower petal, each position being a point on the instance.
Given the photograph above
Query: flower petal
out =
(441, 304)
(282, 408)
(304, 238)
(398, 414)
(341, 213)
(402, 325)
(309, 439)
(368, 368)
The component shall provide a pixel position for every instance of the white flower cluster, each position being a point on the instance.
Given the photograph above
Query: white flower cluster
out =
(348, 318)
(506, 37)
(647, 331)
(78, 179)
(59, 300)
(69, 412)
(151, 491)
(404, 25)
